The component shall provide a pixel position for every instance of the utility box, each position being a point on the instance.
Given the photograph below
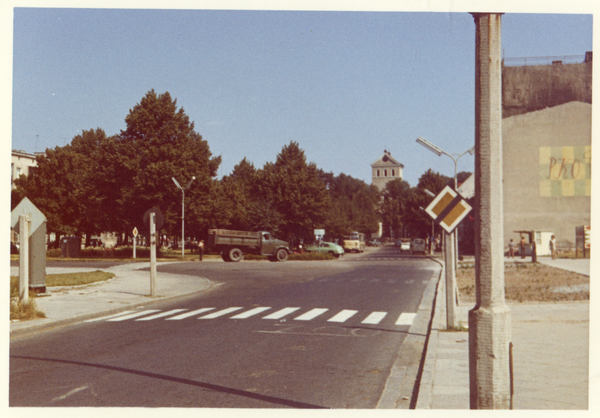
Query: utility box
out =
(36, 242)
(70, 247)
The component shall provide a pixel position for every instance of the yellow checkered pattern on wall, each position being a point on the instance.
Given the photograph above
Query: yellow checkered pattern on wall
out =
(565, 171)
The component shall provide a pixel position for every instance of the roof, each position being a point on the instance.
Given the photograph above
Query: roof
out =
(386, 159)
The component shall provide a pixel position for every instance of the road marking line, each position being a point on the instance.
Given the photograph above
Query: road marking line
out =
(409, 281)
(160, 315)
(406, 319)
(374, 280)
(188, 314)
(281, 313)
(133, 315)
(108, 317)
(342, 316)
(392, 281)
(220, 313)
(311, 314)
(251, 312)
(374, 318)
(72, 392)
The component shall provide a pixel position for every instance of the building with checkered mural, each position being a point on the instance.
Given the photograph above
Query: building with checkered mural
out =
(547, 120)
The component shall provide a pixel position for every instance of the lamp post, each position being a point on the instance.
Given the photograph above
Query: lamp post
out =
(431, 249)
(438, 151)
(183, 211)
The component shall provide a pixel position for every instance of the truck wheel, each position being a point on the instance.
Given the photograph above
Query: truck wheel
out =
(281, 255)
(235, 254)
(225, 256)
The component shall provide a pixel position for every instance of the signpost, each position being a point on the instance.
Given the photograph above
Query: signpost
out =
(153, 219)
(448, 209)
(319, 234)
(135, 234)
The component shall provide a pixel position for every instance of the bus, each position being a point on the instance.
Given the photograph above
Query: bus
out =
(355, 242)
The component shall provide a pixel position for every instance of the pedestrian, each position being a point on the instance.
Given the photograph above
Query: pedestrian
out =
(511, 249)
(522, 247)
(200, 249)
(553, 247)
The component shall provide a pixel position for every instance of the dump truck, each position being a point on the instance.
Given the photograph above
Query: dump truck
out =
(232, 245)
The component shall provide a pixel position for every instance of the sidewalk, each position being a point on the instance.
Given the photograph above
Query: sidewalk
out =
(129, 289)
(550, 354)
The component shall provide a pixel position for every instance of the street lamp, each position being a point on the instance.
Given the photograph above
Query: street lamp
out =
(438, 151)
(183, 211)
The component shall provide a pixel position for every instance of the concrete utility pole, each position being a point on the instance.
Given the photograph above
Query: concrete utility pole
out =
(489, 320)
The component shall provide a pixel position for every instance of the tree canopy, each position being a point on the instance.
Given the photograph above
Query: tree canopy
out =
(101, 183)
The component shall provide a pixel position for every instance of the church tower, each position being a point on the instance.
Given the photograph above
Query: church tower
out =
(385, 169)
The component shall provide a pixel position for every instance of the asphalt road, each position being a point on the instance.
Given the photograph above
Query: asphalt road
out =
(267, 335)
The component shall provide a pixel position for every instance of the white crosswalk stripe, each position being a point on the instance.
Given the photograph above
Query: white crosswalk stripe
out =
(406, 318)
(281, 313)
(342, 316)
(311, 314)
(374, 318)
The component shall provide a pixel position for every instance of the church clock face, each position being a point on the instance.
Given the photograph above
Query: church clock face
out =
(385, 159)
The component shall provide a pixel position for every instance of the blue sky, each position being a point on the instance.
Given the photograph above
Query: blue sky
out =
(345, 85)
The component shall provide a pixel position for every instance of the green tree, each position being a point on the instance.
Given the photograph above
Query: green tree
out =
(158, 144)
(395, 204)
(295, 192)
(66, 188)
(354, 205)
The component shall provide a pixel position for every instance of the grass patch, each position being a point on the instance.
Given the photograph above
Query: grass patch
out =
(23, 311)
(77, 279)
(457, 328)
(529, 282)
(66, 279)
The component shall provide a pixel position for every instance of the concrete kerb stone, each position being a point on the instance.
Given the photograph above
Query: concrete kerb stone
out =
(409, 367)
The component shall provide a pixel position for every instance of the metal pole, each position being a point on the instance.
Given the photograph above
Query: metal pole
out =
(24, 258)
(152, 255)
(450, 282)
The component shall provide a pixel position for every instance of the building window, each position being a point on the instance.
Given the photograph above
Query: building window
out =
(377, 173)
(393, 173)
(385, 173)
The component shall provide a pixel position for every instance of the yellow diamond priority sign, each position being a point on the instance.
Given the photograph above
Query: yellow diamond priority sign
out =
(448, 209)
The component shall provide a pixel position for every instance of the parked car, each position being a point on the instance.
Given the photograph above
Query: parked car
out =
(374, 243)
(404, 244)
(326, 247)
(418, 245)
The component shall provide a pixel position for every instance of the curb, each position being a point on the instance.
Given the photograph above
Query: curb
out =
(402, 387)
(425, 385)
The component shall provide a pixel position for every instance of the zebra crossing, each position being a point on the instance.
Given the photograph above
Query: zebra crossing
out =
(283, 314)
